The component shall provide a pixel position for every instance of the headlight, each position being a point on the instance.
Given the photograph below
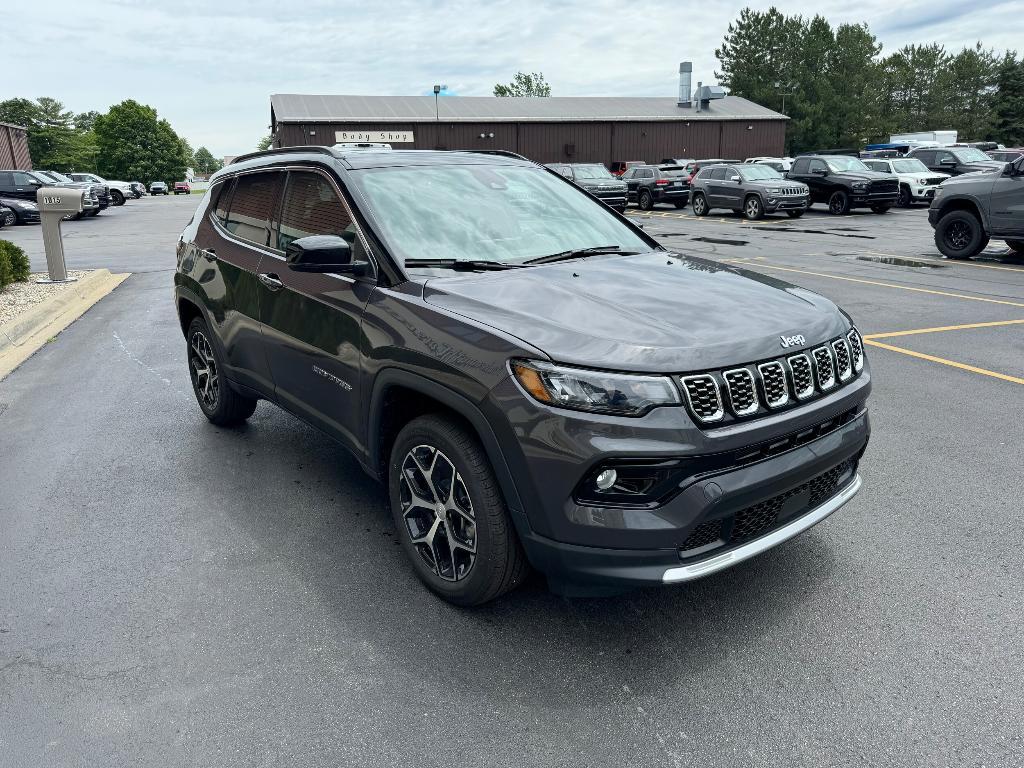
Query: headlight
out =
(596, 391)
(922, 181)
(775, 190)
(860, 186)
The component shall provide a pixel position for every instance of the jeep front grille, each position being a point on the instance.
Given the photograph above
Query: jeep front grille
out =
(739, 382)
(703, 397)
(758, 388)
(792, 191)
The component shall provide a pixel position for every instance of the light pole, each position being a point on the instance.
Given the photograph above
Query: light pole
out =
(437, 90)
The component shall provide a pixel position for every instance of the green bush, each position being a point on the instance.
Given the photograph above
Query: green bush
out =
(14, 265)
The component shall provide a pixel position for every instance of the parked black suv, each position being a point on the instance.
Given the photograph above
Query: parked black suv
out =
(844, 182)
(652, 184)
(955, 160)
(967, 210)
(597, 180)
(535, 379)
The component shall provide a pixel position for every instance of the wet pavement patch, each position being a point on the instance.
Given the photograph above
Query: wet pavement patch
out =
(836, 232)
(720, 241)
(898, 262)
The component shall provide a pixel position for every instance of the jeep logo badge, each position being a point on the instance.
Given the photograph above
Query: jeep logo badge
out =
(793, 341)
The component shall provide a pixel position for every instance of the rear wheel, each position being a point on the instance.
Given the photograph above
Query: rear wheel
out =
(752, 208)
(700, 205)
(904, 200)
(880, 208)
(450, 515)
(645, 201)
(959, 235)
(680, 204)
(839, 203)
(221, 404)
(794, 214)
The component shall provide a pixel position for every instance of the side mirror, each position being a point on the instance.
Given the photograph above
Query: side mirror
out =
(323, 253)
(34, 183)
(947, 161)
(734, 178)
(820, 172)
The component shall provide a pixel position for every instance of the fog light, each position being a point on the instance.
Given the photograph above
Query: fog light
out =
(606, 479)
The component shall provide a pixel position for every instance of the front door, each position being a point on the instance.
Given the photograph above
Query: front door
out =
(312, 322)
(1007, 204)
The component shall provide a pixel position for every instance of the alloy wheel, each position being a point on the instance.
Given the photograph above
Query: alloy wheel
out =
(438, 512)
(958, 235)
(837, 203)
(204, 370)
(753, 209)
(698, 205)
(10, 219)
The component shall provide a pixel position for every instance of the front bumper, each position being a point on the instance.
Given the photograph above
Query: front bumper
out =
(923, 193)
(26, 217)
(786, 203)
(868, 199)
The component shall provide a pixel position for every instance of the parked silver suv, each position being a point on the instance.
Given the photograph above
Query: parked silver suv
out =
(750, 188)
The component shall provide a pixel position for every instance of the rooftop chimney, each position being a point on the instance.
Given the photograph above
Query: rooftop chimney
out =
(696, 97)
(685, 69)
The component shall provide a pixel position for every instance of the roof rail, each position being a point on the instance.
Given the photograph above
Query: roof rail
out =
(501, 152)
(284, 150)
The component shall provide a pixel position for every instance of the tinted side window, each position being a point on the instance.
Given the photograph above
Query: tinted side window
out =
(647, 173)
(6, 179)
(926, 157)
(22, 179)
(252, 206)
(312, 207)
(628, 174)
(940, 156)
(800, 165)
(222, 198)
(818, 165)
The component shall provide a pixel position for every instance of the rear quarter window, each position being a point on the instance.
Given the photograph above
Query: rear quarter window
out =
(252, 206)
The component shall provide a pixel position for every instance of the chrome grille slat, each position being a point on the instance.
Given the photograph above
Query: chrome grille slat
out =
(802, 376)
(824, 369)
(773, 382)
(842, 356)
(739, 383)
(703, 397)
(856, 350)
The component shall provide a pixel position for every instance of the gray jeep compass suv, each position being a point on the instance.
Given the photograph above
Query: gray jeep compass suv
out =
(536, 381)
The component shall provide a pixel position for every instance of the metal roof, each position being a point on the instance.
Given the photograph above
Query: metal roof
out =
(304, 108)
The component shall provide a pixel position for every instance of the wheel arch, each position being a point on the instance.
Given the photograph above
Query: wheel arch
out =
(399, 395)
(964, 204)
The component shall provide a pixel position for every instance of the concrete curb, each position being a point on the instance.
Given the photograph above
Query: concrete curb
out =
(22, 337)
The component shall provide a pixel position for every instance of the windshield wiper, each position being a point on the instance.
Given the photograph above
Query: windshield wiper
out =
(578, 253)
(462, 265)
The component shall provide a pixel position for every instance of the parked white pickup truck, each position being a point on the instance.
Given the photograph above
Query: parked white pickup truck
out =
(119, 190)
(917, 182)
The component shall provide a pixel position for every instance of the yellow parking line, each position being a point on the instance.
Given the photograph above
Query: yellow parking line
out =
(894, 285)
(944, 361)
(942, 328)
(958, 262)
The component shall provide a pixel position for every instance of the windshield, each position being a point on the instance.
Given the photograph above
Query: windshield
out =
(909, 165)
(971, 155)
(758, 172)
(840, 164)
(58, 176)
(498, 213)
(592, 172)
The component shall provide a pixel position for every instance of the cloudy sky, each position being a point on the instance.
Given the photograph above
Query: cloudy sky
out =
(210, 67)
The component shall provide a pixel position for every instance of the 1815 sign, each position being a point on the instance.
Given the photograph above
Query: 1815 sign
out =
(387, 137)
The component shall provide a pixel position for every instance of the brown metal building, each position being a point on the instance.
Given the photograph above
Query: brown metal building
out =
(14, 148)
(548, 129)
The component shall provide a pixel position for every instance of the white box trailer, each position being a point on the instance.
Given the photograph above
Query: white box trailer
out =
(945, 138)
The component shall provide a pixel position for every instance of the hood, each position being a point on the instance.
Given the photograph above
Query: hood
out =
(983, 167)
(863, 175)
(615, 183)
(768, 183)
(658, 311)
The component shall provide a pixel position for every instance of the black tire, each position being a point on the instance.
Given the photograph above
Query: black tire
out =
(454, 460)
(644, 200)
(752, 208)
(794, 214)
(621, 209)
(94, 212)
(959, 235)
(904, 200)
(219, 402)
(680, 204)
(839, 203)
(116, 197)
(700, 205)
(10, 219)
(1017, 245)
(880, 209)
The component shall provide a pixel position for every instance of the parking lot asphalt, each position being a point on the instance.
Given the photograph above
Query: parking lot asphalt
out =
(175, 593)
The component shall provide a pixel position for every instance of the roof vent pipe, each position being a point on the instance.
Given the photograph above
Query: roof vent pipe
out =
(696, 97)
(685, 70)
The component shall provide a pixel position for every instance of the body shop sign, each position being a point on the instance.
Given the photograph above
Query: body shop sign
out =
(387, 137)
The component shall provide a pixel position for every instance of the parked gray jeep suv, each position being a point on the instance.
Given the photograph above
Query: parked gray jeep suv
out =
(751, 189)
(535, 379)
(967, 210)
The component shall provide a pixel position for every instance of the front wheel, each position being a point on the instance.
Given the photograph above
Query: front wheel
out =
(839, 203)
(221, 404)
(645, 201)
(904, 200)
(450, 515)
(116, 197)
(959, 235)
(794, 214)
(680, 204)
(700, 205)
(752, 208)
(880, 209)
(10, 218)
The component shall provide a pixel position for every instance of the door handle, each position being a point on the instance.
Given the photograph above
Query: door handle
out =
(270, 280)
(209, 254)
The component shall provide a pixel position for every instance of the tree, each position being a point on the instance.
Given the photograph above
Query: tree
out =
(23, 112)
(134, 143)
(264, 143)
(524, 84)
(205, 162)
(1008, 101)
(968, 85)
(86, 120)
(53, 141)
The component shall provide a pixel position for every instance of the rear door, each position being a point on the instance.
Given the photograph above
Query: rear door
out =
(716, 195)
(229, 246)
(732, 188)
(312, 321)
